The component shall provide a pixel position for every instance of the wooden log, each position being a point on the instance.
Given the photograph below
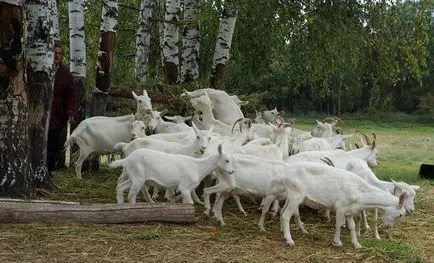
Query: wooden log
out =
(19, 211)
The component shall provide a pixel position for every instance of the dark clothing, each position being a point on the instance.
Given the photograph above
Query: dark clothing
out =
(63, 104)
(54, 147)
(62, 107)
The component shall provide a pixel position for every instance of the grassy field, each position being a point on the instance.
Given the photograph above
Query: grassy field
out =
(401, 150)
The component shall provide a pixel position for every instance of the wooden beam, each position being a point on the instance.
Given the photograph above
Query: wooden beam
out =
(56, 211)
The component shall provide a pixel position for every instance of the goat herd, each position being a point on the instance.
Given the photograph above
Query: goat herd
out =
(234, 156)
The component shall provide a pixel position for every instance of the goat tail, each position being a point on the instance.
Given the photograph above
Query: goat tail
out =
(117, 163)
(119, 146)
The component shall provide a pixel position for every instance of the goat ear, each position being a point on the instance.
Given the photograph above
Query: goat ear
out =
(145, 93)
(402, 199)
(169, 118)
(415, 187)
(187, 118)
(318, 122)
(244, 102)
(220, 150)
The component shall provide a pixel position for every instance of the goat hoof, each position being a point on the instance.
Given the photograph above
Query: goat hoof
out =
(357, 246)
(290, 242)
(337, 244)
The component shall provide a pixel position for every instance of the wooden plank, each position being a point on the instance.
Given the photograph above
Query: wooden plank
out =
(30, 212)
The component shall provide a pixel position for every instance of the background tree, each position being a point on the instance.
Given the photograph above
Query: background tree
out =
(40, 74)
(77, 53)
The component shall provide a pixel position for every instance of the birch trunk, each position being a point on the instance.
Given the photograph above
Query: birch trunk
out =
(162, 9)
(55, 18)
(40, 74)
(223, 45)
(143, 38)
(16, 178)
(171, 39)
(78, 54)
(190, 45)
(109, 22)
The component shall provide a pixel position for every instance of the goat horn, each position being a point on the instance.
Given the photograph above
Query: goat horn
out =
(235, 123)
(280, 120)
(339, 130)
(368, 141)
(286, 125)
(358, 147)
(326, 119)
(328, 161)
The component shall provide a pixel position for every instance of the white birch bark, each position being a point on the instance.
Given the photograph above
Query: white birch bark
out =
(13, 2)
(171, 32)
(77, 49)
(161, 30)
(143, 38)
(39, 52)
(55, 17)
(109, 16)
(190, 45)
(224, 38)
(109, 20)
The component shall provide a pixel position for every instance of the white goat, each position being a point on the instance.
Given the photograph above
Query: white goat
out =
(318, 186)
(269, 116)
(99, 134)
(203, 104)
(196, 148)
(225, 109)
(162, 126)
(180, 172)
(251, 177)
(361, 168)
(178, 118)
(340, 158)
(324, 144)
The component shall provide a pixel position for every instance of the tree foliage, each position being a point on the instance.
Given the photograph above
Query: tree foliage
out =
(301, 55)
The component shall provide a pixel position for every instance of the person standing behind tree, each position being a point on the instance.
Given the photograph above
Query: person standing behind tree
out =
(63, 108)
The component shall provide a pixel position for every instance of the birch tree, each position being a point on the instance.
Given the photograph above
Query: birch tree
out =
(190, 43)
(171, 39)
(78, 54)
(223, 45)
(55, 17)
(16, 178)
(40, 73)
(143, 38)
(109, 20)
